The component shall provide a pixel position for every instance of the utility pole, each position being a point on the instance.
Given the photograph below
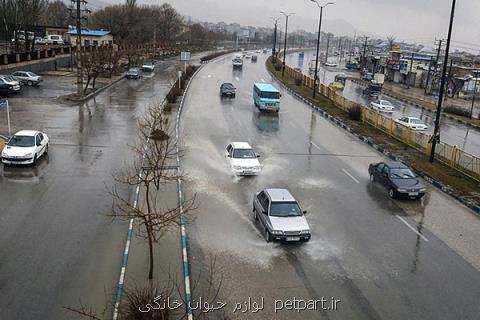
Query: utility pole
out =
(436, 133)
(410, 71)
(340, 52)
(437, 59)
(328, 47)
(364, 62)
(285, 43)
(435, 65)
(474, 92)
(77, 7)
(274, 50)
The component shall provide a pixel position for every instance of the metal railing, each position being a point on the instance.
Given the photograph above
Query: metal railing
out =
(452, 156)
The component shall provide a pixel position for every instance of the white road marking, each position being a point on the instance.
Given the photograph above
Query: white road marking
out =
(313, 144)
(350, 175)
(412, 228)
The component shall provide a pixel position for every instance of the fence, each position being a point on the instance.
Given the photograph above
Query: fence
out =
(452, 156)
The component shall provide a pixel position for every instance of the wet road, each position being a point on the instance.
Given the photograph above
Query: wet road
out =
(56, 246)
(452, 132)
(382, 259)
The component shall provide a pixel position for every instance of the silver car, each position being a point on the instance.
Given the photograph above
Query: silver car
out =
(27, 77)
(280, 216)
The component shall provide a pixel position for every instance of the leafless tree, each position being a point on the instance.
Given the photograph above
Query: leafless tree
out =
(391, 42)
(154, 168)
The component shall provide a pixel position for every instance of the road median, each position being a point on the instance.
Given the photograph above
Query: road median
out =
(460, 186)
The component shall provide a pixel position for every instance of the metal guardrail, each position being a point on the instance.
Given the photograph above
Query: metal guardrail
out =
(452, 156)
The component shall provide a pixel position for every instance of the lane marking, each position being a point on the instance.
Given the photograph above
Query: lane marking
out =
(412, 228)
(313, 144)
(350, 175)
(293, 124)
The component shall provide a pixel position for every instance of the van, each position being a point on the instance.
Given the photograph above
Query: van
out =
(53, 39)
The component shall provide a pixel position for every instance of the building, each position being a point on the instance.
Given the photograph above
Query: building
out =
(91, 37)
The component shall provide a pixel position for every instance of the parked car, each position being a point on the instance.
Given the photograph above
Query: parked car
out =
(373, 90)
(40, 41)
(134, 73)
(27, 77)
(337, 86)
(7, 88)
(148, 66)
(399, 179)
(254, 58)
(25, 147)
(13, 85)
(382, 106)
(227, 90)
(53, 39)
(368, 76)
(412, 122)
(280, 216)
(242, 159)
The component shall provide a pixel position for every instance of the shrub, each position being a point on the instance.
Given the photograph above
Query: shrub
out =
(298, 81)
(457, 111)
(278, 67)
(355, 112)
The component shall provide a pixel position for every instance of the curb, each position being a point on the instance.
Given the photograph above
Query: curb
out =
(423, 108)
(437, 184)
(91, 95)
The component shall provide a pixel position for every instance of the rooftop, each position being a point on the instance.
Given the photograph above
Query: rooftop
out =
(89, 32)
(278, 195)
(267, 87)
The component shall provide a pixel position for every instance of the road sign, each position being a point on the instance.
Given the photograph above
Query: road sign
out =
(185, 56)
(4, 105)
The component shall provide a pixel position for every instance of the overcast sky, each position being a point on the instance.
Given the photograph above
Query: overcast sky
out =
(412, 20)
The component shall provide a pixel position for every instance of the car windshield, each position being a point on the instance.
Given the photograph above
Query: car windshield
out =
(22, 141)
(285, 209)
(30, 74)
(228, 86)
(270, 95)
(416, 121)
(386, 103)
(244, 153)
(8, 78)
(132, 71)
(402, 173)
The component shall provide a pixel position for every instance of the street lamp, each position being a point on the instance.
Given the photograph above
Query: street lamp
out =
(285, 43)
(318, 43)
(274, 50)
(436, 131)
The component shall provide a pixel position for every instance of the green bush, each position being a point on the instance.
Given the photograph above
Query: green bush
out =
(355, 112)
(457, 111)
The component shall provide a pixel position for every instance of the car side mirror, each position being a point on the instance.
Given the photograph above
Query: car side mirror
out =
(304, 211)
(264, 212)
(258, 156)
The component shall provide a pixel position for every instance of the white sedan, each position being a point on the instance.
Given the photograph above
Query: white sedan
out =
(330, 64)
(412, 123)
(243, 160)
(382, 106)
(25, 147)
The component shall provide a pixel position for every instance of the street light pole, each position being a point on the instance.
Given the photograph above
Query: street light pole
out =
(436, 133)
(315, 77)
(285, 42)
(274, 50)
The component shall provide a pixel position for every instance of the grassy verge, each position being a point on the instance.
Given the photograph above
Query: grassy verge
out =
(460, 184)
(425, 104)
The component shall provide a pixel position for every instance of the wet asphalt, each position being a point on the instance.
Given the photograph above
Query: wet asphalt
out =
(57, 247)
(451, 132)
(382, 258)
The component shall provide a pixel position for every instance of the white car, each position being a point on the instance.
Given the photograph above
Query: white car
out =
(382, 106)
(148, 66)
(12, 82)
(412, 122)
(25, 147)
(330, 64)
(243, 160)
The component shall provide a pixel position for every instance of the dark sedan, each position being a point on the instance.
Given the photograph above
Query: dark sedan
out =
(227, 90)
(399, 179)
(134, 73)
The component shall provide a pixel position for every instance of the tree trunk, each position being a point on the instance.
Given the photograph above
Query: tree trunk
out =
(148, 227)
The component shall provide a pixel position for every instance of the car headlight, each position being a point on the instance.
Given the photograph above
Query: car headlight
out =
(422, 189)
(257, 168)
(277, 232)
(305, 232)
(237, 167)
(401, 190)
(28, 155)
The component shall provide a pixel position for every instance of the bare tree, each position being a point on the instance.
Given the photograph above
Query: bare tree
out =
(95, 62)
(391, 42)
(153, 169)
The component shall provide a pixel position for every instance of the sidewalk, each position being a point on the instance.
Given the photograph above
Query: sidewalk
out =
(430, 101)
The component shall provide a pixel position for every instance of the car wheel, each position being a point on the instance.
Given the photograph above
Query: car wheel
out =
(34, 160)
(372, 178)
(391, 193)
(29, 83)
(267, 235)
(255, 215)
(46, 149)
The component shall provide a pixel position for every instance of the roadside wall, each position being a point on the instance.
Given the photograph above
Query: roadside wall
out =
(38, 66)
